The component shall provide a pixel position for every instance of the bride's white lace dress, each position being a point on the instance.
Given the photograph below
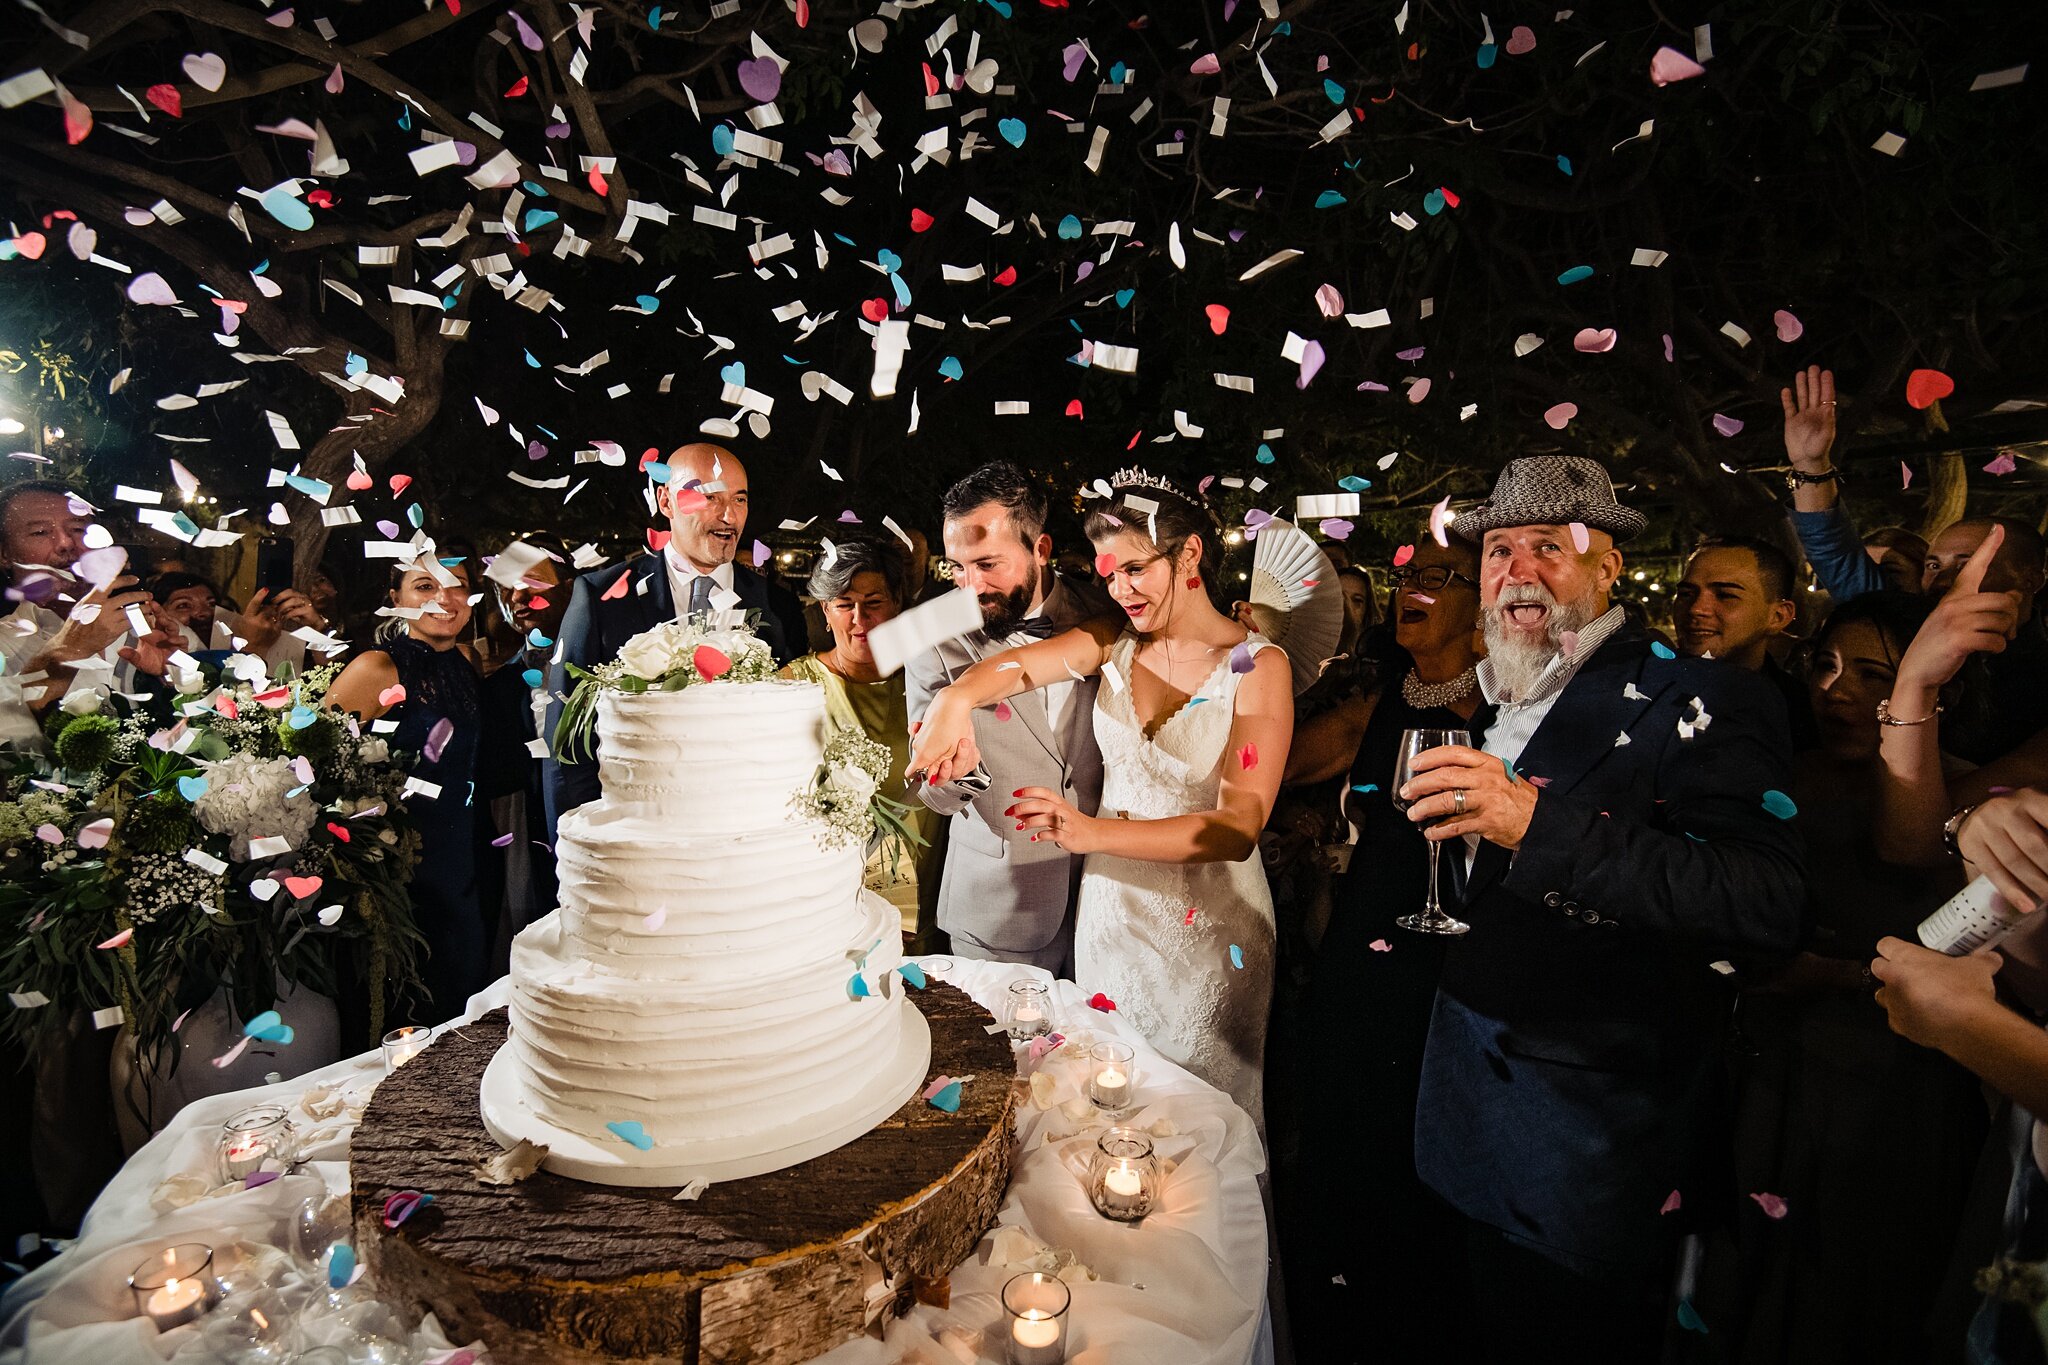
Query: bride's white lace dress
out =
(1158, 938)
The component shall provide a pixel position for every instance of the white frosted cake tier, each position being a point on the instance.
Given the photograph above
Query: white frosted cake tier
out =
(696, 980)
(716, 756)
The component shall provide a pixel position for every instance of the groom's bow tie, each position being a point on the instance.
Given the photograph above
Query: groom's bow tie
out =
(1037, 627)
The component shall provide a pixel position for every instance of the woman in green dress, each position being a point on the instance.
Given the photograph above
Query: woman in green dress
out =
(859, 584)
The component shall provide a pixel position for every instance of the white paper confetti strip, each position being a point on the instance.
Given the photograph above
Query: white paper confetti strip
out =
(946, 617)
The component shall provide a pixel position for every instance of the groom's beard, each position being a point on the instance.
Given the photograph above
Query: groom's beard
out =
(1002, 613)
(1518, 659)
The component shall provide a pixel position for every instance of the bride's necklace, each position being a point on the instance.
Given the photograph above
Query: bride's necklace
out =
(1422, 695)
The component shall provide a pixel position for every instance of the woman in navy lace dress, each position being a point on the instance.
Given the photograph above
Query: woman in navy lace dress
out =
(423, 680)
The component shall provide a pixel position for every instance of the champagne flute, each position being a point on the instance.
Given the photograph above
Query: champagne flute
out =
(1432, 920)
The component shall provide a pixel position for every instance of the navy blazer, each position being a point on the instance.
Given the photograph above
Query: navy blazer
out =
(594, 629)
(1569, 1084)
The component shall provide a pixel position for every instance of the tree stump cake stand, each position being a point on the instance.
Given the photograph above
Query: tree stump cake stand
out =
(772, 1270)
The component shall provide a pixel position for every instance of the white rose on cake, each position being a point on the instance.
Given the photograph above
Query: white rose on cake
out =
(652, 653)
(851, 784)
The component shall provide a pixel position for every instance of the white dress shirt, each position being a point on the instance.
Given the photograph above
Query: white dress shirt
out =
(681, 575)
(1059, 696)
(1516, 721)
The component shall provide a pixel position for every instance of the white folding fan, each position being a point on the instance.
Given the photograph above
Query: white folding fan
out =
(1296, 599)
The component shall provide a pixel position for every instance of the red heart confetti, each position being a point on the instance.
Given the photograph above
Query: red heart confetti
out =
(516, 89)
(1105, 563)
(875, 310)
(1074, 407)
(1403, 555)
(1771, 1204)
(1926, 387)
(657, 541)
(617, 589)
(399, 483)
(303, 887)
(1099, 1001)
(1189, 917)
(920, 221)
(1008, 276)
(166, 98)
(1248, 757)
(1672, 1202)
(598, 184)
(339, 831)
(1003, 711)
(711, 664)
(1219, 318)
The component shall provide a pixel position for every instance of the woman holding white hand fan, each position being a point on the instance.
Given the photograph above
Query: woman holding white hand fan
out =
(1174, 923)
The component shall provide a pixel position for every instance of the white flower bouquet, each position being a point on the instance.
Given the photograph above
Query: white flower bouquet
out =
(846, 797)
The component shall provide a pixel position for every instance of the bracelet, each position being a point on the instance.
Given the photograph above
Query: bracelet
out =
(1795, 478)
(1885, 716)
(1952, 831)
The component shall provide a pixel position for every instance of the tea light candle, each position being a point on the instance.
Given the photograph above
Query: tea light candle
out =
(176, 1286)
(257, 1139)
(1035, 1337)
(1037, 1304)
(177, 1303)
(1110, 1087)
(401, 1045)
(1121, 1187)
(1123, 1179)
(243, 1156)
(1027, 1011)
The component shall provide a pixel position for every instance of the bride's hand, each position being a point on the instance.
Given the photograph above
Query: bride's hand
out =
(1040, 811)
(944, 741)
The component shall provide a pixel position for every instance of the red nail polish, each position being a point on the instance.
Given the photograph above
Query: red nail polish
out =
(1018, 792)
(1020, 825)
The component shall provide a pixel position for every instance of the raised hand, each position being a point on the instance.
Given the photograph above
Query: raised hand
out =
(943, 744)
(1809, 418)
(1967, 621)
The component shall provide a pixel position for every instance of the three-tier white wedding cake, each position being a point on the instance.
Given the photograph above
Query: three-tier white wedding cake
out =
(717, 996)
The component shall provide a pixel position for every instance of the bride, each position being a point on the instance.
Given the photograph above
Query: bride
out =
(1174, 922)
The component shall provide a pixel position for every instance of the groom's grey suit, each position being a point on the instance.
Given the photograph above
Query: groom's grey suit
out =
(1003, 897)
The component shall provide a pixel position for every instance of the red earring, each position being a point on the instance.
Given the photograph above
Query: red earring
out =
(1194, 582)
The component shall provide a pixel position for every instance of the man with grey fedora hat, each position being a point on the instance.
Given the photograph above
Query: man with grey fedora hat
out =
(1615, 836)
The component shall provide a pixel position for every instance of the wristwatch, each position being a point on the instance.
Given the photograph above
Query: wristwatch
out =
(1952, 830)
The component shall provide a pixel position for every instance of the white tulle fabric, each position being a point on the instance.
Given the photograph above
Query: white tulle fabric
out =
(1170, 971)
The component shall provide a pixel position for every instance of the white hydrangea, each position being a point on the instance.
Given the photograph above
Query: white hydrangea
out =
(246, 798)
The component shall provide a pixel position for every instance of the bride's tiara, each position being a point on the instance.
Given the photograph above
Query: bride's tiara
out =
(1132, 477)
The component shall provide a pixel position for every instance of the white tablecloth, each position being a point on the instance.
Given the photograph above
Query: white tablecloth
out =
(1185, 1287)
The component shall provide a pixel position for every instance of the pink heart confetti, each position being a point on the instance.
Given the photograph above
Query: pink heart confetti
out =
(1905, 475)
(391, 695)
(49, 834)
(1521, 41)
(1419, 390)
(2003, 464)
(227, 1059)
(1581, 540)
(1003, 711)
(1311, 362)
(1669, 64)
(1328, 301)
(207, 70)
(96, 834)
(938, 1083)
(120, 940)
(1671, 1203)
(1771, 1204)
(1790, 329)
(404, 1205)
(1439, 518)
(1568, 643)
(761, 78)
(77, 117)
(1205, 65)
(1726, 425)
(303, 888)
(1594, 339)
(653, 922)
(1403, 555)
(151, 288)
(1380, 945)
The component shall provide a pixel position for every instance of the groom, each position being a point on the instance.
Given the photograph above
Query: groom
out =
(1004, 898)
(1620, 831)
(695, 573)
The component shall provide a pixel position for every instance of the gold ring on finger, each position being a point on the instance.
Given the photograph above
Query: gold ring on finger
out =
(1458, 801)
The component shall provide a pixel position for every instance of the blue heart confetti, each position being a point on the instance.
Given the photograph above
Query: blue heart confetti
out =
(1780, 805)
(533, 677)
(1333, 90)
(890, 262)
(1237, 957)
(268, 1027)
(735, 373)
(192, 788)
(950, 367)
(721, 139)
(1689, 1318)
(1365, 788)
(948, 1098)
(1012, 131)
(1575, 274)
(301, 716)
(1351, 483)
(1264, 454)
(658, 471)
(1329, 199)
(857, 987)
(341, 1265)
(914, 974)
(1662, 650)
(631, 1131)
(1124, 297)
(1070, 228)
(648, 302)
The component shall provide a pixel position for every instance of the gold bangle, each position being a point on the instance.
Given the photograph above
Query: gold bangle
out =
(1885, 716)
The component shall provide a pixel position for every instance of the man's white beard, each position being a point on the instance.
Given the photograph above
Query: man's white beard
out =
(1518, 661)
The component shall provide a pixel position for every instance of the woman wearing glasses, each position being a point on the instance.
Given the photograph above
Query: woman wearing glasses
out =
(1348, 1241)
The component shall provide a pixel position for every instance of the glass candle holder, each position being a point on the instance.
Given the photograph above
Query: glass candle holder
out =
(322, 1355)
(403, 1044)
(1113, 1077)
(1123, 1175)
(1036, 1305)
(936, 966)
(175, 1286)
(1029, 1011)
(256, 1139)
(254, 1329)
